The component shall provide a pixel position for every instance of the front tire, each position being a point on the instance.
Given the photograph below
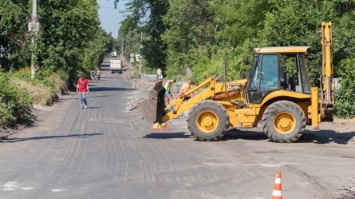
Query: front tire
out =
(208, 121)
(284, 121)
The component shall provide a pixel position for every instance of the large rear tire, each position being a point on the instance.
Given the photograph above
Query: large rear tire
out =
(208, 121)
(284, 121)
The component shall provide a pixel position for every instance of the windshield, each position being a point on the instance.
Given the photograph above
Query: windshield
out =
(304, 74)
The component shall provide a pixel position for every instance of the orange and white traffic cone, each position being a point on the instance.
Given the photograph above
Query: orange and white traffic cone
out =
(277, 192)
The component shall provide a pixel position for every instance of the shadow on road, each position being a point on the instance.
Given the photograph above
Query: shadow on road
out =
(326, 136)
(98, 89)
(92, 107)
(91, 96)
(103, 68)
(316, 137)
(245, 135)
(68, 98)
(167, 135)
(12, 140)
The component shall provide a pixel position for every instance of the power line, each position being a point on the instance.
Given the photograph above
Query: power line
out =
(120, 11)
(108, 8)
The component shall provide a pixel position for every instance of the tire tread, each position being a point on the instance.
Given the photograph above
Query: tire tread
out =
(268, 127)
(192, 128)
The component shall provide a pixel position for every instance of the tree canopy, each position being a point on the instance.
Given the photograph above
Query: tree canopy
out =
(179, 35)
(70, 37)
(199, 34)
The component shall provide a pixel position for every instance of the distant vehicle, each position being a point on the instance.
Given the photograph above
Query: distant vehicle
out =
(116, 66)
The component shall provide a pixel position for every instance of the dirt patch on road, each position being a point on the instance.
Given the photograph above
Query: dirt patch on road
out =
(143, 87)
(348, 195)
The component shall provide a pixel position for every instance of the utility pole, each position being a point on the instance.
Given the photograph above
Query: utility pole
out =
(33, 28)
(140, 54)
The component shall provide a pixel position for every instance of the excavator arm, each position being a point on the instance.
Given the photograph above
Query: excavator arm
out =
(327, 89)
(179, 105)
(322, 107)
(154, 109)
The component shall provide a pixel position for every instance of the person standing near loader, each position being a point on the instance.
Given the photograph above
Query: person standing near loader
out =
(82, 89)
(93, 75)
(185, 87)
(160, 74)
(98, 72)
(167, 87)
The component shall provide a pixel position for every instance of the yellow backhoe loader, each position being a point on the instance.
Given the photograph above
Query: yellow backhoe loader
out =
(278, 93)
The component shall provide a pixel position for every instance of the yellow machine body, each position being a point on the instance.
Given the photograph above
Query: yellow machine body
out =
(285, 103)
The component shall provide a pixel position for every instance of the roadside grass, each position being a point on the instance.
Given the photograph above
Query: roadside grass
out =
(39, 94)
(18, 94)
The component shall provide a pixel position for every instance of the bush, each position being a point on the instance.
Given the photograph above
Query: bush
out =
(18, 92)
(43, 89)
(345, 96)
(38, 93)
(14, 103)
(345, 103)
(134, 73)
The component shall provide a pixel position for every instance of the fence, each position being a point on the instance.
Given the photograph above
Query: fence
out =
(175, 89)
(150, 77)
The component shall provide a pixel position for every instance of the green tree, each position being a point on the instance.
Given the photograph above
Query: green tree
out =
(190, 35)
(146, 24)
(240, 20)
(14, 17)
(67, 28)
(297, 23)
(201, 34)
(343, 58)
(129, 34)
(100, 46)
(345, 96)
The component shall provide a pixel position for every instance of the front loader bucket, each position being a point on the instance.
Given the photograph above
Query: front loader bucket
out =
(152, 108)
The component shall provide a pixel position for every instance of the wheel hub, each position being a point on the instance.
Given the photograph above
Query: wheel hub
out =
(207, 121)
(284, 122)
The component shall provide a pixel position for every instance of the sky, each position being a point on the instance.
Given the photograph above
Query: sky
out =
(110, 17)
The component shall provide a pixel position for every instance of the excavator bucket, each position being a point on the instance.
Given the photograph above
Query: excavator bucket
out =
(152, 108)
(158, 126)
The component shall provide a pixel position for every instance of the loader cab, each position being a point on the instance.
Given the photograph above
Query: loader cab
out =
(278, 68)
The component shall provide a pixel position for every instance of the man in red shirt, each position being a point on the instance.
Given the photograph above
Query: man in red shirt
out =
(82, 88)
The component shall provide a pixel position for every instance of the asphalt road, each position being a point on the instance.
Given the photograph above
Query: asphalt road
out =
(106, 151)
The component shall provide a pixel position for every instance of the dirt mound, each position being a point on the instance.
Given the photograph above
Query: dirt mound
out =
(144, 98)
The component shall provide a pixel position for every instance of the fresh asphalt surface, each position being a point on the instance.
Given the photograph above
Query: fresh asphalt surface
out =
(106, 151)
